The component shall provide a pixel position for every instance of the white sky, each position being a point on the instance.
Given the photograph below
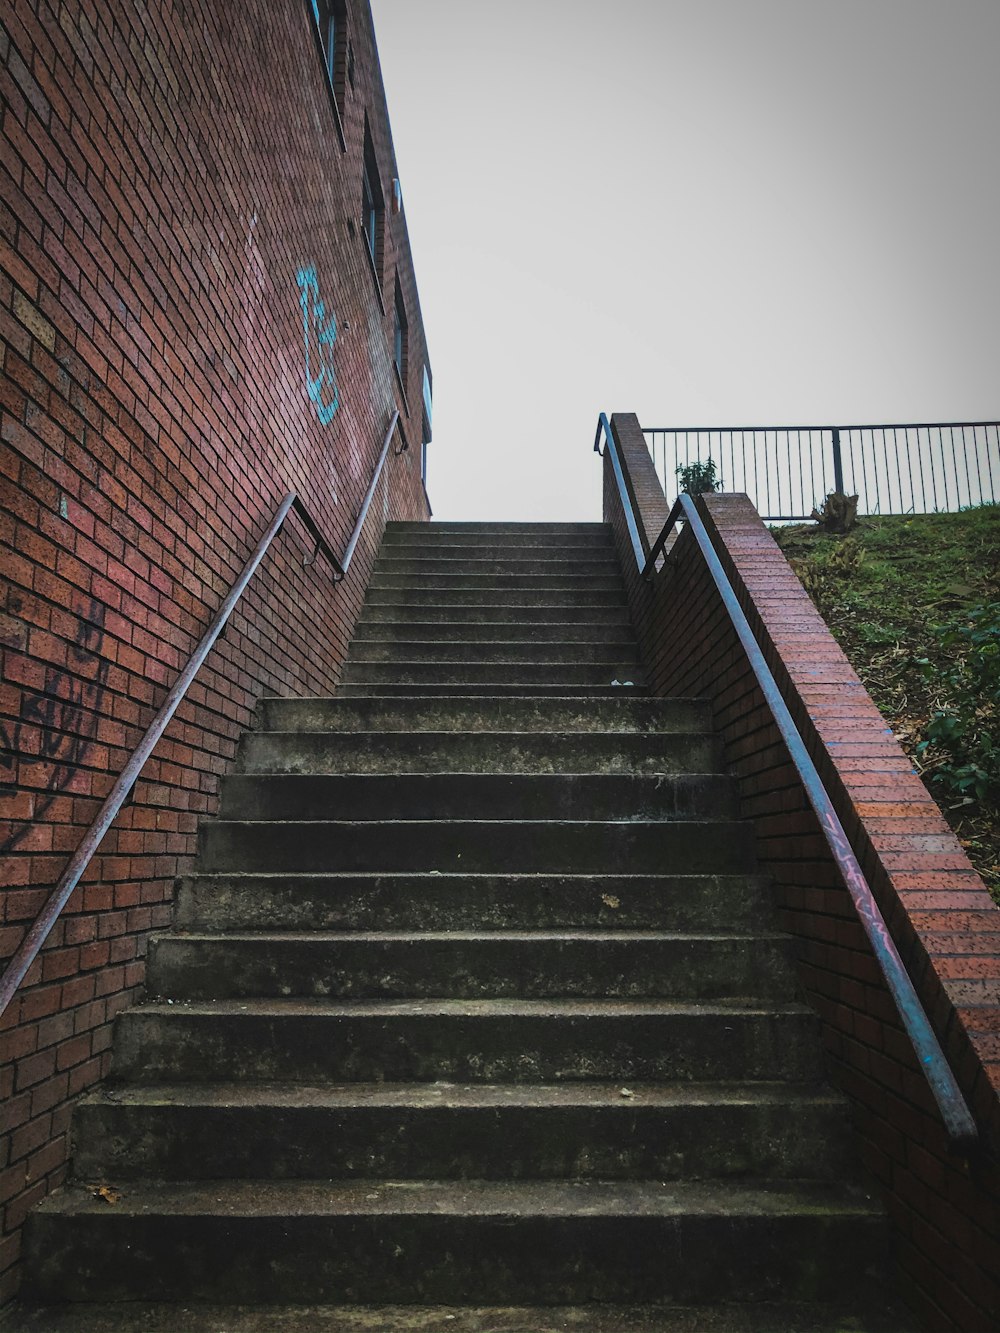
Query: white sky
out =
(708, 212)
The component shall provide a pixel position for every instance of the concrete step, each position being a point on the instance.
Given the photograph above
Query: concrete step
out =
(876, 1316)
(433, 901)
(487, 652)
(467, 1131)
(610, 713)
(498, 593)
(489, 1241)
(504, 546)
(556, 532)
(474, 632)
(468, 1041)
(485, 690)
(470, 965)
(528, 586)
(478, 796)
(507, 670)
(473, 565)
(508, 752)
(476, 534)
(694, 846)
(459, 616)
(439, 1049)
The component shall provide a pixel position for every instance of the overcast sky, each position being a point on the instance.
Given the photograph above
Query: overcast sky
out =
(707, 212)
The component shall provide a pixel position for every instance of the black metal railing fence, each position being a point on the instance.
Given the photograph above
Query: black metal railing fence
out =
(788, 470)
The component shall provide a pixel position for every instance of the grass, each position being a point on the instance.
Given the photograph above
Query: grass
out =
(884, 590)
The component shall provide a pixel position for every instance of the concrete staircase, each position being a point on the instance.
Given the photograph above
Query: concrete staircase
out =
(474, 1016)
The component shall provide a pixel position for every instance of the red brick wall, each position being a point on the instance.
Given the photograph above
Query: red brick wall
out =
(167, 171)
(940, 914)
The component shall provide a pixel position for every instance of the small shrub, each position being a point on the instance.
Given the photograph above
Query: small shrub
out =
(698, 478)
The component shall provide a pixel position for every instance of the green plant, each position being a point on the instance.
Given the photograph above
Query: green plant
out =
(961, 740)
(698, 477)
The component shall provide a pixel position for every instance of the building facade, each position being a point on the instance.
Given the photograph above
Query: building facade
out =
(207, 300)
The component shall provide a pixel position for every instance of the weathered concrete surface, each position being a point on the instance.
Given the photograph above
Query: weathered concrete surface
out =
(466, 1040)
(475, 999)
(487, 1131)
(761, 1318)
(470, 965)
(438, 1241)
(450, 751)
(611, 714)
(648, 797)
(432, 900)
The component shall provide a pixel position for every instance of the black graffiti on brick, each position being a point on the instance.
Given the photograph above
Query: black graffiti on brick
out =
(65, 712)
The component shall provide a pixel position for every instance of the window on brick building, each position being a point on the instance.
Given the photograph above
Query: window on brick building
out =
(399, 341)
(425, 423)
(331, 21)
(372, 205)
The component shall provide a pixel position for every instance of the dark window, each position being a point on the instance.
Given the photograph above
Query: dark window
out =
(369, 212)
(425, 424)
(399, 344)
(330, 44)
(331, 21)
(372, 205)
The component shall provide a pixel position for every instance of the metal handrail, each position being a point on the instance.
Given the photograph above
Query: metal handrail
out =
(958, 1121)
(29, 948)
(348, 555)
(871, 425)
(894, 468)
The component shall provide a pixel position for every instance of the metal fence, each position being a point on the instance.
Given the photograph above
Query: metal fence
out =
(788, 470)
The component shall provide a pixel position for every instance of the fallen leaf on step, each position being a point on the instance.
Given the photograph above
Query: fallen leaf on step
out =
(106, 1193)
(609, 900)
(626, 1092)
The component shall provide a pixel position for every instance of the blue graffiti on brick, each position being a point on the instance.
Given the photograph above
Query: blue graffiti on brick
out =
(319, 332)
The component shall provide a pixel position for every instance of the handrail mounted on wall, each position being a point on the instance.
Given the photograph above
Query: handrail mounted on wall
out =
(959, 1124)
(28, 950)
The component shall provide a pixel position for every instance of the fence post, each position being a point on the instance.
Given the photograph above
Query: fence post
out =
(838, 466)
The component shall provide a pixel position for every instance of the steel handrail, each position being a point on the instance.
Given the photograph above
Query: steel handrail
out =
(36, 935)
(959, 1123)
(348, 555)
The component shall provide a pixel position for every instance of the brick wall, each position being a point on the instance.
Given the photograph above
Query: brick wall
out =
(175, 199)
(941, 917)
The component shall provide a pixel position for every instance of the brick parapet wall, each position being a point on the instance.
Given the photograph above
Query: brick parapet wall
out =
(167, 174)
(939, 912)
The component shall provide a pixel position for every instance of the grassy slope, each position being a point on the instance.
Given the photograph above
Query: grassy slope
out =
(881, 590)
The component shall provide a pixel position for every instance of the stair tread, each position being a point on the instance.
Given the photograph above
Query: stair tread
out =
(612, 659)
(478, 877)
(759, 1317)
(459, 1095)
(624, 640)
(492, 1147)
(486, 876)
(497, 611)
(488, 777)
(674, 824)
(525, 558)
(525, 689)
(447, 936)
(557, 714)
(471, 1198)
(495, 1008)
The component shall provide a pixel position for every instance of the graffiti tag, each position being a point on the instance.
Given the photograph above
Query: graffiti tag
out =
(63, 715)
(319, 333)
